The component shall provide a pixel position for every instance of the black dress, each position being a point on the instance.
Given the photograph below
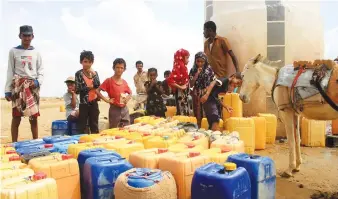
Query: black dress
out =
(155, 105)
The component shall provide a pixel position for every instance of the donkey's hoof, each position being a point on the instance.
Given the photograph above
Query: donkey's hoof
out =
(295, 170)
(286, 174)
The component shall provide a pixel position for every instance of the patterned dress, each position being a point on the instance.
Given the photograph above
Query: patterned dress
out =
(179, 75)
(202, 82)
(155, 105)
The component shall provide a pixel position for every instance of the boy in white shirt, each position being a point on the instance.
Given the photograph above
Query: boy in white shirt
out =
(71, 100)
(24, 78)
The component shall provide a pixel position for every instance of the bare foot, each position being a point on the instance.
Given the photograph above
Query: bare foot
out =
(286, 174)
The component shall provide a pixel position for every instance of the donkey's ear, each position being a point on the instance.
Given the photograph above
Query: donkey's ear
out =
(256, 58)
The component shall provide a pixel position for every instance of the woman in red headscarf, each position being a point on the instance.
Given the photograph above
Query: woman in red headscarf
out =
(179, 81)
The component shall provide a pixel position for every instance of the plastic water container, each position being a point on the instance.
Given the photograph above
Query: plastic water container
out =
(36, 148)
(62, 147)
(108, 140)
(271, 127)
(178, 133)
(12, 173)
(6, 147)
(260, 132)
(230, 141)
(262, 172)
(180, 147)
(160, 142)
(77, 137)
(28, 143)
(64, 169)
(56, 138)
(125, 148)
(85, 154)
(246, 129)
(14, 163)
(218, 155)
(8, 156)
(182, 166)
(73, 128)
(232, 100)
(148, 158)
(60, 127)
(313, 133)
(36, 187)
(100, 174)
(144, 183)
(140, 137)
(220, 182)
(205, 124)
(90, 137)
(75, 149)
(195, 139)
(27, 157)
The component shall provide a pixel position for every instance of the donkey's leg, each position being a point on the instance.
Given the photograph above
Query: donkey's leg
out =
(287, 117)
(298, 153)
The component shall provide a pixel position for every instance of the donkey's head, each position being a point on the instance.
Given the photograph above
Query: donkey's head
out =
(258, 71)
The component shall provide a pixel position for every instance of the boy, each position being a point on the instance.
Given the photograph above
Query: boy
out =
(86, 83)
(119, 94)
(155, 105)
(71, 100)
(210, 99)
(166, 87)
(25, 75)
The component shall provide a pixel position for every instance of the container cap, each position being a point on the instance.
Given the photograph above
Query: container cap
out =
(121, 128)
(11, 152)
(39, 176)
(229, 166)
(131, 142)
(190, 146)
(8, 145)
(48, 145)
(146, 134)
(194, 154)
(118, 137)
(225, 149)
(14, 158)
(196, 137)
(162, 150)
(81, 141)
(103, 134)
(66, 156)
(166, 137)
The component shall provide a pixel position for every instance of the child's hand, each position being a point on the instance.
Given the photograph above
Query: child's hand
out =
(111, 100)
(199, 70)
(183, 87)
(229, 109)
(204, 98)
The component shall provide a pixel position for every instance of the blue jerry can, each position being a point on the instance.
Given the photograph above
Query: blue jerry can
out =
(262, 172)
(100, 174)
(220, 182)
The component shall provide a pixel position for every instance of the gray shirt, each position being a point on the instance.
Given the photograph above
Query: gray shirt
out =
(67, 97)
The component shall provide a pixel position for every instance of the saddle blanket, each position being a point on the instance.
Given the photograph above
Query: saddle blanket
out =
(303, 86)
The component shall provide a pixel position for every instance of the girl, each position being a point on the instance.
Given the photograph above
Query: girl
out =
(201, 76)
(179, 80)
(119, 94)
(155, 105)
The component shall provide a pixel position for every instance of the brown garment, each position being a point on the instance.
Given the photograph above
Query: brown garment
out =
(118, 116)
(218, 55)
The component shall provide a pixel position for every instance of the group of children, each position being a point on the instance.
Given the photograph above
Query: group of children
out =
(84, 92)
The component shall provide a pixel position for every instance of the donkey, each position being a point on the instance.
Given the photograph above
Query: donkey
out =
(258, 72)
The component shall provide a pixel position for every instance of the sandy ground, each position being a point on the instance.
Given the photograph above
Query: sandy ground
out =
(319, 170)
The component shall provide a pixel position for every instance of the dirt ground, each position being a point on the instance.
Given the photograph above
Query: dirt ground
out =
(319, 171)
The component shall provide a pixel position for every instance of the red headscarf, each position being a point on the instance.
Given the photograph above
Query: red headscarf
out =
(179, 74)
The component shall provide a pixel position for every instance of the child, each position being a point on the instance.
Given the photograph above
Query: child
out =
(155, 105)
(86, 83)
(166, 88)
(201, 76)
(179, 81)
(210, 99)
(119, 94)
(71, 100)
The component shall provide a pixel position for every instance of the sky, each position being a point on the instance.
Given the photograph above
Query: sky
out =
(150, 31)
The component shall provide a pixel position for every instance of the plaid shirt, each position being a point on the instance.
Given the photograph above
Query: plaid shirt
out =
(81, 86)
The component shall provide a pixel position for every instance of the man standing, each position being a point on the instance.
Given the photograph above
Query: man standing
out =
(217, 49)
(139, 79)
(24, 78)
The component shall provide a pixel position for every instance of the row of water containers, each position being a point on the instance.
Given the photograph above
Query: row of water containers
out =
(94, 172)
